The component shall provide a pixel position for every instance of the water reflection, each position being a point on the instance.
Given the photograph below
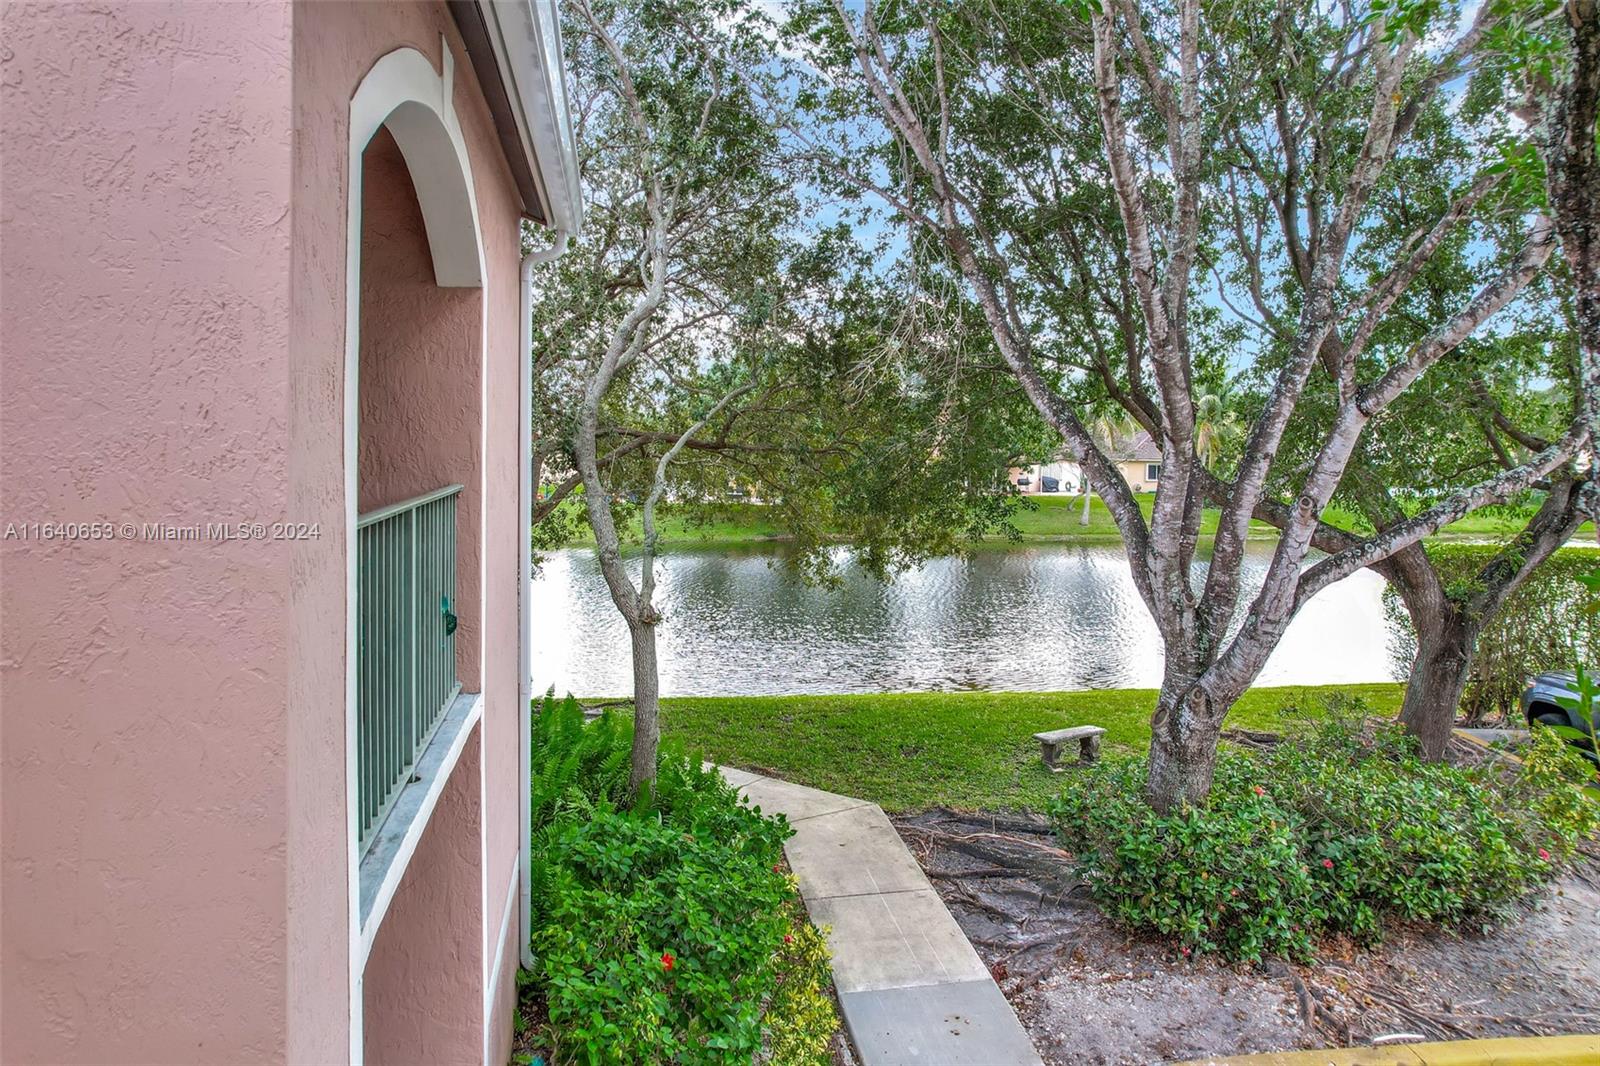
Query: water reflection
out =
(1040, 618)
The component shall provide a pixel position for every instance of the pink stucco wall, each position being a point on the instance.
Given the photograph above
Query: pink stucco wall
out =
(172, 754)
(424, 981)
(421, 379)
(144, 274)
(334, 46)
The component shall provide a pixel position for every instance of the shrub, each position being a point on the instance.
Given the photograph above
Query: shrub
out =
(801, 1016)
(573, 759)
(1227, 877)
(1542, 624)
(1556, 817)
(665, 930)
(1335, 831)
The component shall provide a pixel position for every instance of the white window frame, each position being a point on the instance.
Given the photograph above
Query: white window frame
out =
(404, 92)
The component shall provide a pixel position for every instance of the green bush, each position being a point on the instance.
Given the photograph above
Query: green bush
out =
(1333, 832)
(1541, 626)
(666, 930)
(801, 1016)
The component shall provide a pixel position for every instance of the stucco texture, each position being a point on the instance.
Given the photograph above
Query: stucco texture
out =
(421, 378)
(424, 980)
(173, 208)
(335, 44)
(144, 271)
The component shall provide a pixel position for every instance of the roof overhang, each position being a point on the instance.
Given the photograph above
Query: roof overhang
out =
(515, 48)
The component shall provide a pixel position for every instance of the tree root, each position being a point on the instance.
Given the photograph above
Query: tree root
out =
(953, 840)
(991, 871)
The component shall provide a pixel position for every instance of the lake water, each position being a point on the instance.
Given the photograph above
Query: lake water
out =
(739, 622)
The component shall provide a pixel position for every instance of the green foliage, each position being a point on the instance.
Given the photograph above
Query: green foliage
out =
(852, 429)
(801, 1017)
(1547, 763)
(583, 763)
(1227, 877)
(1336, 831)
(666, 931)
(907, 751)
(1542, 624)
(1582, 706)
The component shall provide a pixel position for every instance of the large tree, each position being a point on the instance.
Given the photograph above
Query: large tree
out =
(658, 334)
(1564, 99)
(703, 335)
(1153, 111)
(1488, 404)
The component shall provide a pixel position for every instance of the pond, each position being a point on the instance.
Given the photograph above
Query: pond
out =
(1044, 618)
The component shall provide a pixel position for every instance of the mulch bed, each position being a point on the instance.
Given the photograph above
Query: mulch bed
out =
(1089, 991)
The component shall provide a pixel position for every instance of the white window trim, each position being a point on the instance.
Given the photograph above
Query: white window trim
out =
(404, 91)
(391, 849)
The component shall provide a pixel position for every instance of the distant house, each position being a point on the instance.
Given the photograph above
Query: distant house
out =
(1139, 460)
(1060, 476)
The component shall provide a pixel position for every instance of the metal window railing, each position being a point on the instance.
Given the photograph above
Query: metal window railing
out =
(406, 645)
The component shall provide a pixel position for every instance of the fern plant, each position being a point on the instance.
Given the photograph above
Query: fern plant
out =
(571, 757)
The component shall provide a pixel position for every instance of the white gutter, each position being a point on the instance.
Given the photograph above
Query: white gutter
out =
(526, 38)
(525, 493)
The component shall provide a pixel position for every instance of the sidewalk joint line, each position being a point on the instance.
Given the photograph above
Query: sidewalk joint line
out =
(864, 895)
(825, 814)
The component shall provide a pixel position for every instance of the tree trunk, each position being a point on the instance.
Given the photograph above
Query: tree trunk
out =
(1083, 519)
(1444, 650)
(646, 706)
(1445, 644)
(1183, 747)
(1447, 631)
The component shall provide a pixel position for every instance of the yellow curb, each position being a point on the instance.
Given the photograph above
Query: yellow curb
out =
(1507, 1051)
(1484, 744)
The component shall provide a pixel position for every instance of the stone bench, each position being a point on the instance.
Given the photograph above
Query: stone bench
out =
(1087, 736)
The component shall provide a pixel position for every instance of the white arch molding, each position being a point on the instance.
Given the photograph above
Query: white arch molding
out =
(403, 92)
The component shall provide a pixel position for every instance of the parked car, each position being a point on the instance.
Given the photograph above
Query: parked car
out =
(1552, 699)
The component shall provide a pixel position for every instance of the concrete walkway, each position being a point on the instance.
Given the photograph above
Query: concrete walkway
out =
(910, 986)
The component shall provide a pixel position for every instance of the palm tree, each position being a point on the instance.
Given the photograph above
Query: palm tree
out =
(1216, 427)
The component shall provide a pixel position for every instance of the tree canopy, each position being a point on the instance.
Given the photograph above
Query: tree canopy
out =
(1226, 180)
(859, 260)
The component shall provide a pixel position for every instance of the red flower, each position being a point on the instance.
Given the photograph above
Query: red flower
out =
(667, 960)
(1327, 863)
(1545, 855)
(1185, 952)
(788, 938)
(1259, 791)
(777, 868)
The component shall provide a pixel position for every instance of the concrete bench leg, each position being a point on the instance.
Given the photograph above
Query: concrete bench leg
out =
(1088, 750)
(1051, 753)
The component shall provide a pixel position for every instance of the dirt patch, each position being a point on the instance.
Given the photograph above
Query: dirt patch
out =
(1089, 992)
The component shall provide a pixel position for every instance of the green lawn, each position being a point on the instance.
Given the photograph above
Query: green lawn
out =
(1059, 518)
(908, 751)
(1499, 525)
(1049, 519)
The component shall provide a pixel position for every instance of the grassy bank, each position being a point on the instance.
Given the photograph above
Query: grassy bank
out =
(1049, 519)
(907, 751)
